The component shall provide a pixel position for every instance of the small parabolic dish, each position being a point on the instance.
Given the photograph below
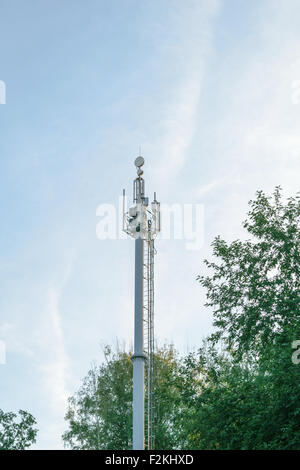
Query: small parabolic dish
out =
(139, 161)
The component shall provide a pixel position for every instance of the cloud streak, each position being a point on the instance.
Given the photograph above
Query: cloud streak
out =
(54, 364)
(187, 61)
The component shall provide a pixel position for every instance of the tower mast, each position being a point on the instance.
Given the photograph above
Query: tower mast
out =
(143, 224)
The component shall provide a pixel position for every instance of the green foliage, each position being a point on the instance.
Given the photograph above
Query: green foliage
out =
(254, 292)
(234, 405)
(205, 400)
(240, 390)
(254, 287)
(17, 431)
(100, 413)
(166, 398)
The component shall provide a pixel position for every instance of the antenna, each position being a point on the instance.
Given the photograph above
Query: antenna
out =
(143, 225)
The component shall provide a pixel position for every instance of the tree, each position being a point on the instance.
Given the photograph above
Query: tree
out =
(205, 400)
(17, 431)
(240, 390)
(254, 288)
(251, 401)
(231, 404)
(99, 415)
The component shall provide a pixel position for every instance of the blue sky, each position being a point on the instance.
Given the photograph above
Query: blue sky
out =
(207, 88)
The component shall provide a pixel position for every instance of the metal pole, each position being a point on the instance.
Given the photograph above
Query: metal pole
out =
(138, 358)
(138, 223)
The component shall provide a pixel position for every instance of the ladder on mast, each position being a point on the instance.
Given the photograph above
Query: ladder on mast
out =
(149, 252)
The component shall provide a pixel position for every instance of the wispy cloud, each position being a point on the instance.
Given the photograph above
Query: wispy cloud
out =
(179, 126)
(195, 27)
(207, 188)
(56, 368)
(54, 362)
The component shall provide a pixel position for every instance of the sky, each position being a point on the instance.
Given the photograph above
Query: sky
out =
(210, 90)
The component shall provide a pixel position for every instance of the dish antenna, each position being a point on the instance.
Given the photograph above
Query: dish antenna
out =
(139, 161)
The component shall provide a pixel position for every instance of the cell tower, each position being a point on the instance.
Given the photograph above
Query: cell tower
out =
(143, 224)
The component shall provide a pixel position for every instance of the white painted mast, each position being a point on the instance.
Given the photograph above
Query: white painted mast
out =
(143, 225)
